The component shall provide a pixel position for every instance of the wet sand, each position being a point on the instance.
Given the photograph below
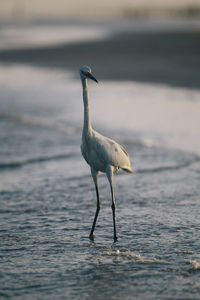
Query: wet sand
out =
(158, 57)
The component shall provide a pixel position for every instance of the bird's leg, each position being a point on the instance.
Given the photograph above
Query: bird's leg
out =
(109, 173)
(95, 176)
(113, 210)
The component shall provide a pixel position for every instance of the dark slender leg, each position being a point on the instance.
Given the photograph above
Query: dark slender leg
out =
(109, 173)
(96, 215)
(95, 176)
(113, 211)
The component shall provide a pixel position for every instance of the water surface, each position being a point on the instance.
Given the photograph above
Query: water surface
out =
(48, 198)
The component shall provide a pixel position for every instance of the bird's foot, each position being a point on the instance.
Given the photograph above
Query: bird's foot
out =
(115, 239)
(91, 237)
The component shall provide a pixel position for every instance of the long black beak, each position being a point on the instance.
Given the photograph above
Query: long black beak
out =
(89, 75)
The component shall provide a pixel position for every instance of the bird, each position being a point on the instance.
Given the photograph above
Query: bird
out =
(101, 153)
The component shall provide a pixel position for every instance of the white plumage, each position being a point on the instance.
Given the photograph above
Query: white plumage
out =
(101, 153)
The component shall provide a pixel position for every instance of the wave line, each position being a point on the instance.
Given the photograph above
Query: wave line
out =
(19, 164)
(169, 168)
(25, 119)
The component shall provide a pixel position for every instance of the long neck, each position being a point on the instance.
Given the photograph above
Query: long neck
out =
(87, 122)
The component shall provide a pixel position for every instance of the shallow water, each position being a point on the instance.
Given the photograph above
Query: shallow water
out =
(47, 197)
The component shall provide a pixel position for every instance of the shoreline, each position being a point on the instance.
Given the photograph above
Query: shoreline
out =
(163, 57)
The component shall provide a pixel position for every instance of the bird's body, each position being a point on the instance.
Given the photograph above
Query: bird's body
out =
(101, 153)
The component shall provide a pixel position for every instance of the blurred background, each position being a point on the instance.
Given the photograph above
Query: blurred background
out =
(173, 42)
(146, 56)
(23, 10)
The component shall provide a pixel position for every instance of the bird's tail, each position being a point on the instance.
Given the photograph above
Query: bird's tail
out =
(128, 170)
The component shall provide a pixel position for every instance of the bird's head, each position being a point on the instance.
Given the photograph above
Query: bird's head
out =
(86, 72)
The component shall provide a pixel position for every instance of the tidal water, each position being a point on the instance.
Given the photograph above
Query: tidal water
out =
(48, 201)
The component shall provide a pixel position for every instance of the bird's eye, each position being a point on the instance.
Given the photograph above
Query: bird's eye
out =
(85, 73)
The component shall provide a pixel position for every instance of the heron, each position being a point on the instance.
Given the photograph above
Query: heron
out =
(101, 153)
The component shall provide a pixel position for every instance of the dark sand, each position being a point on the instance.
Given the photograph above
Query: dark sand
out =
(161, 57)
